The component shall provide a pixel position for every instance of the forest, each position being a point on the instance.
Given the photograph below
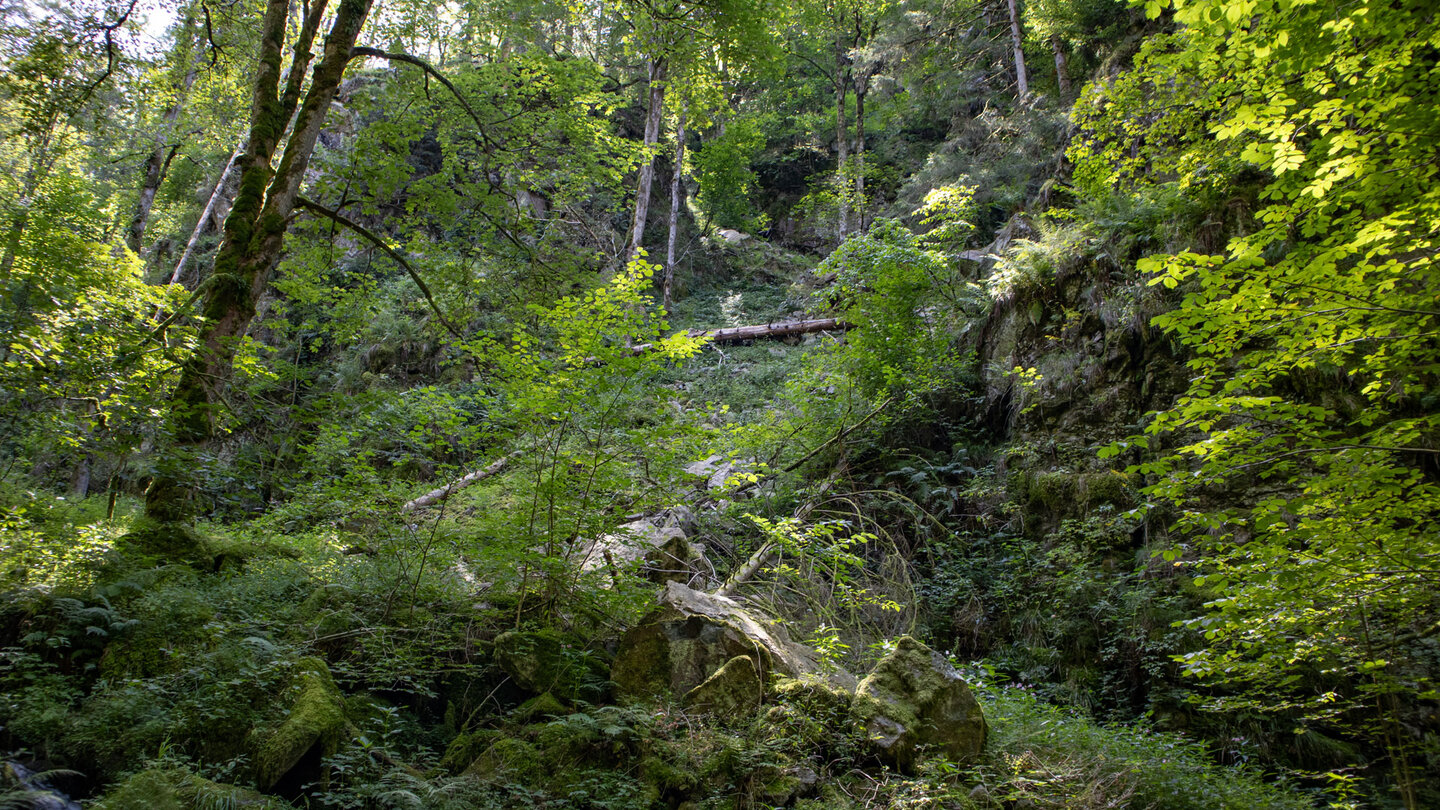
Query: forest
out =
(701, 404)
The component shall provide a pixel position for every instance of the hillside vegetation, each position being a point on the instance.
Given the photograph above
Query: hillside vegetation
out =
(720, 404)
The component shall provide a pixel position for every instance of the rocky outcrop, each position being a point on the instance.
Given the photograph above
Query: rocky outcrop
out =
(717, 471)
(692, 634)
(913, 698)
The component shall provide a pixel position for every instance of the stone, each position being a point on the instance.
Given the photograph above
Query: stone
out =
(716, 470)
(176, 789)
(541, 661)
(733, 236)
(913, 698)
(734, 691)
(314, 728)
(663, 552)
(539, 708)
(691, 634)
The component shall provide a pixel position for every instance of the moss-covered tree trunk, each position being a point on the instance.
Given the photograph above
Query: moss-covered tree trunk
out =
(254, 231)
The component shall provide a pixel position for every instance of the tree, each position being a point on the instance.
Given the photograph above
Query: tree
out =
(1315, 341)
(254, 232)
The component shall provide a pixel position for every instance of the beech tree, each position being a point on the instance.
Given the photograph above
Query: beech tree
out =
(254, 232)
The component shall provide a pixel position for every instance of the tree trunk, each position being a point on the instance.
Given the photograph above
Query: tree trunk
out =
(158, 163)
(675, 188)
(255, 227)
(203, 224)
(861, 88)
(1022, 81)
(1062, 67)
(647, 171)
(842, 137)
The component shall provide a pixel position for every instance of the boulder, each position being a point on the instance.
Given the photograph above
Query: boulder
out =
(716, 470)
(176, 789)
(663, 551)
(735, 690)
(914, 698)
(692, 634)
(314, 728)
(547, 661)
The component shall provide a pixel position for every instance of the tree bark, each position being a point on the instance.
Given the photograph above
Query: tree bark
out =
(647, 171)
(1062, 67)
(460, 483)
(675, 189)
(255, 228)
(861, 88)
(159, 161)
(842, 136)
(1022, 81)
(760, 331)
(205, 216)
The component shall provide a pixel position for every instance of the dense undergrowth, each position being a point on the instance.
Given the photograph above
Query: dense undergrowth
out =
(1128, 410)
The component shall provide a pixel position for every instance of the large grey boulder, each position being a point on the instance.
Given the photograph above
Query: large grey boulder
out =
(692, 634)
(914, 698)
(663, 551)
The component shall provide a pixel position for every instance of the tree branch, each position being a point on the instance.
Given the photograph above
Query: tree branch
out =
(361, 230)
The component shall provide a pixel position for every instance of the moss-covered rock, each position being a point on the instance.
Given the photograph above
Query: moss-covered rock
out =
(175, 789)
(914, 698)
(692, 634)
(465, 749)
(166, 542)
(539, 708)
(733, 692)
(541, 661)
(314, 727)
(510, 757)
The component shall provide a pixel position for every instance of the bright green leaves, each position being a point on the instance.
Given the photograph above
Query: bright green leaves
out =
(1314, 338)
(884, 281)
(723, 169)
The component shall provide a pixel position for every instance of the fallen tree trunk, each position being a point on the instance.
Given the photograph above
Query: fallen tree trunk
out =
(773, 330)
(759, 331)
(458, 484)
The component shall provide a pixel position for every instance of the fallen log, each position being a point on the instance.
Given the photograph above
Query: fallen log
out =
(759, 331)
(772, 330)
(458, 484)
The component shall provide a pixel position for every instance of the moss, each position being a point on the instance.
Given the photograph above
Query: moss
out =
(236, 554)
(665, 777)
(152, 540)
(510, 757)
(174, 789)
(644, 669)
(816, 696)
(732, 693)
(315, 723)
(549, 661)
(462, 751)
(912, 698)
(1107, 487)
(539, 708)
(149, 650)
